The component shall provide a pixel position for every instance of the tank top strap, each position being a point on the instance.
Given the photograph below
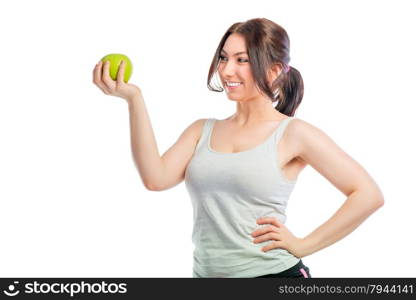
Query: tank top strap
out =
(206, 129)
(281, 128)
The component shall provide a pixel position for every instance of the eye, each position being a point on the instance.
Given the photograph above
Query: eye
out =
(221, 57)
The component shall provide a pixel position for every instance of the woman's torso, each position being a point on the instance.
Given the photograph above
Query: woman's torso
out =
(233, 178)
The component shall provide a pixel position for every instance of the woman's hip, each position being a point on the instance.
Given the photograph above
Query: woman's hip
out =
(297, 271)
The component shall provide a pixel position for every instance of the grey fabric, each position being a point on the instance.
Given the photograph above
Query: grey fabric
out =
(229, 192)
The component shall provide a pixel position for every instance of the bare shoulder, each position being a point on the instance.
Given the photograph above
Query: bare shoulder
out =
(304, 135)
(194, 130)
(304, 138)
(198, 124)
(292, 137)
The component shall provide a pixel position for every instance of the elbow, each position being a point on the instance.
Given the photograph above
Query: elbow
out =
(378, 199)
(373, 205)
(377, 202)
(372, 200)
(375, 196)
(380, 202)
(151, 187)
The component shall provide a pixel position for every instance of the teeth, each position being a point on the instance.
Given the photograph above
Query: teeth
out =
(233, 83)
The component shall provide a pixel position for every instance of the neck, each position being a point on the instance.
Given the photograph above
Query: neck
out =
(254, 111)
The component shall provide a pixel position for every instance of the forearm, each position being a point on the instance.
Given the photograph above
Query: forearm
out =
(358, 206)
(143, 143)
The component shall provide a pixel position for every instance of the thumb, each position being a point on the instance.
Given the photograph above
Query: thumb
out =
(120, 73)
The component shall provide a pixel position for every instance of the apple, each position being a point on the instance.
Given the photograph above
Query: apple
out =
(115, 61)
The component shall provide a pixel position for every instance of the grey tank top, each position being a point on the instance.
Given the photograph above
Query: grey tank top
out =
(229, 192)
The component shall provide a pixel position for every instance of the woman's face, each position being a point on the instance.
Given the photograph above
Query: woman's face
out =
(234, 66)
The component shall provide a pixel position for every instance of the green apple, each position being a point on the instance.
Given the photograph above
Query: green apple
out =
(115, 61)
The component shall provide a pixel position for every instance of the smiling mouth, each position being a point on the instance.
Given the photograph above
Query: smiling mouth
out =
(232, 82)
(232, 87)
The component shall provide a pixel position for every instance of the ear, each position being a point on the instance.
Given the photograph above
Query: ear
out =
(274, 72)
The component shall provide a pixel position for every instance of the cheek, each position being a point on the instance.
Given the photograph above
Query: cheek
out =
(248, 77)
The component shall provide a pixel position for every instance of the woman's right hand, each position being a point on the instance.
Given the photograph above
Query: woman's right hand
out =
(118, 88)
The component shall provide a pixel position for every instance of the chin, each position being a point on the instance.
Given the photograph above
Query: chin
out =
(232, 98)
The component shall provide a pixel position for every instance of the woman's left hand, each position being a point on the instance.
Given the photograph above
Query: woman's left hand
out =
(281, 236)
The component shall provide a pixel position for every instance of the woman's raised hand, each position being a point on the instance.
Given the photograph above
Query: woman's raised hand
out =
(118, 88)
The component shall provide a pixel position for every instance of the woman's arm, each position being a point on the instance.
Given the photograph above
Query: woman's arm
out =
(364, 195)
(143, 142)
(145, 152)
(159, 173)
(358, 206)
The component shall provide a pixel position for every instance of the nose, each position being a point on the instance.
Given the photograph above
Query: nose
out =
(227, 69)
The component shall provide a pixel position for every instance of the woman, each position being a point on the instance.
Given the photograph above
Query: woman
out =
(240, 171)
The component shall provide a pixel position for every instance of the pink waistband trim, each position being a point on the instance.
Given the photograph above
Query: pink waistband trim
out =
(304, 273)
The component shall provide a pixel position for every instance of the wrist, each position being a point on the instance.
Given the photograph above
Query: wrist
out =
(134, 99)
(308, 246)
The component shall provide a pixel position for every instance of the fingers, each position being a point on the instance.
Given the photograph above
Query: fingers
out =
(105, 76)
(269, 220)
(120, 73)
(273, 245)
(97, 77)
(267, 237)
(103, 80)
(264, 230)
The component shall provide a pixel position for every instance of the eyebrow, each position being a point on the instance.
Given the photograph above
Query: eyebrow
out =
(242, 52)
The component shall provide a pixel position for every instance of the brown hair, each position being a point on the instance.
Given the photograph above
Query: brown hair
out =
(267, 44)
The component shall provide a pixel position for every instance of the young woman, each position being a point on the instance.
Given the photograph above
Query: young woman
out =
(240, 171)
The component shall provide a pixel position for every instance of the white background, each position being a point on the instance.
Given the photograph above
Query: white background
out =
(71, 201)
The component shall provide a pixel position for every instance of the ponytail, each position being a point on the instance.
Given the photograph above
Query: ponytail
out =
(290, 92)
